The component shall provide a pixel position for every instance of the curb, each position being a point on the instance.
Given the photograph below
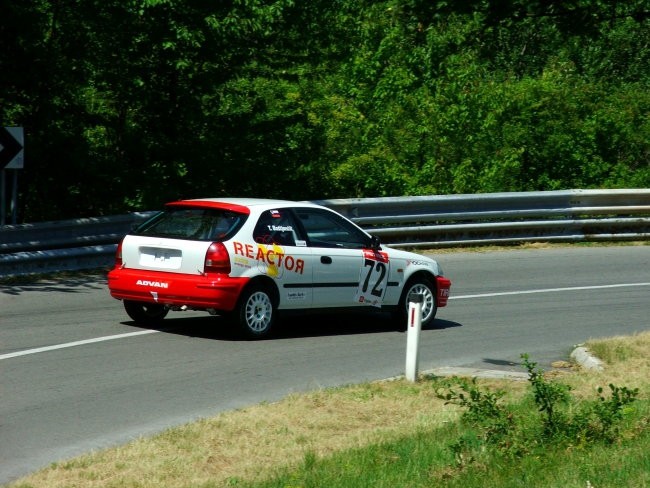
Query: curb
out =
(477, 373)
(580, 355)
(584, 358)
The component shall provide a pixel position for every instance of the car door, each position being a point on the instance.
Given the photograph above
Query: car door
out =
(283, 255)
(340, 260)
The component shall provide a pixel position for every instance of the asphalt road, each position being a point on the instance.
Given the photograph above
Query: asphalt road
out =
(77, 375)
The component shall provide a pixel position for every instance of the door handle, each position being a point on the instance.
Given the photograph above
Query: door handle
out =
(326, 260)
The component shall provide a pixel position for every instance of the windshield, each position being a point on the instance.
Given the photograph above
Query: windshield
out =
(200, 224)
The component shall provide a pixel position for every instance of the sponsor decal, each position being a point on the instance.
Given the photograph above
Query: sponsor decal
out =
(271, 259)
(373, 278)
(246, 250)
(280, 228)
(296, 295)
(155, 284)
(413, 262)
(242, 262)
(380, 256)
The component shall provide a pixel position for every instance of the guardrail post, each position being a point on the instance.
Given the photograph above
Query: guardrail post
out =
(413, 336)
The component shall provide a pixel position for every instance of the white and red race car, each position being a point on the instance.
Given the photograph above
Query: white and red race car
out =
(250, 258)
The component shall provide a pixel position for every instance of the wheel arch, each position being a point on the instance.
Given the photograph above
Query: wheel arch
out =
(269, 284)
(419, 276)
(422, 273)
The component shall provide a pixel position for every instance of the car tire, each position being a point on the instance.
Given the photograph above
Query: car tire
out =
(143, 313)
(256, 311)
(423, 286)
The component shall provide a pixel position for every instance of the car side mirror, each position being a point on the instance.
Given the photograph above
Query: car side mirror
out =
(375, 243)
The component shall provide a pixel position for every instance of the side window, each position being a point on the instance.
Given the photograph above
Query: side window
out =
(326, 229)
(275, 227)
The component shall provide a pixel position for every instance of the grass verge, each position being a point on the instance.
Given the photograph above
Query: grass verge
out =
(396, 433)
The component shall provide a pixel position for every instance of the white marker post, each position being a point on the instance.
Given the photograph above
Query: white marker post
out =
(413, 336)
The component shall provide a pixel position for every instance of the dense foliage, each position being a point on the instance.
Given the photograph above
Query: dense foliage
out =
(130, 103)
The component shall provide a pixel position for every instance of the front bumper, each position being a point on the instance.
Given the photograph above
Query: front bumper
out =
(443, 287)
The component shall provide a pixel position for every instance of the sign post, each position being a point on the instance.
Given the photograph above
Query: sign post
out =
(3, 205)
(11, 157)
(413, 336)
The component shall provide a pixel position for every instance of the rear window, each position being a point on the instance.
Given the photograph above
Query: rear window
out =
(200, 224)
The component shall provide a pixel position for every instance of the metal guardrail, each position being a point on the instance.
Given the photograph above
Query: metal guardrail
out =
(64, 245)
(502, 218)
(412, 222)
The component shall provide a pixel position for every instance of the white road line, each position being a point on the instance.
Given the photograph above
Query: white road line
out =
(37, 350)
(548, 290)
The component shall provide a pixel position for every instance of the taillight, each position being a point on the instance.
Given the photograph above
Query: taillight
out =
(217, 259)
(118, 255)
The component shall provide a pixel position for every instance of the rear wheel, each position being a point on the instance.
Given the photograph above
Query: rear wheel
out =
(143, 313)
(420, 285)
(256, 311)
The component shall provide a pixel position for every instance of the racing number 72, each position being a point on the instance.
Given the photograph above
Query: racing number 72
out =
(378, 269)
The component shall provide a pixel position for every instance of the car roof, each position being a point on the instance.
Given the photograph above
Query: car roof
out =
(235, 203)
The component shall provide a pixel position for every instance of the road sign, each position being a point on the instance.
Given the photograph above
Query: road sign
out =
(11, 148)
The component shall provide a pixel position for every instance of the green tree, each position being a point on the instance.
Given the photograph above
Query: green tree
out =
(127, 104)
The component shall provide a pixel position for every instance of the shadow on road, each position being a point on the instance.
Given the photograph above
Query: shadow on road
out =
(292, 327)
(77, 282)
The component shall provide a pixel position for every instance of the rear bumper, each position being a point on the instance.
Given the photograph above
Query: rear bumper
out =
(443, 286)
(195, 291)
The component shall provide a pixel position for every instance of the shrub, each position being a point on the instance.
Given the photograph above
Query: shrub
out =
(564, 420)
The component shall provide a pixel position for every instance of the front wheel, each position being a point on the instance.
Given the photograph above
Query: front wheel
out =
(147, 314)
(419, 285)
(256, 311)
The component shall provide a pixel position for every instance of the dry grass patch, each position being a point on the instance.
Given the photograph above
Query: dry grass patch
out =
(626, 363)
(627, 353)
